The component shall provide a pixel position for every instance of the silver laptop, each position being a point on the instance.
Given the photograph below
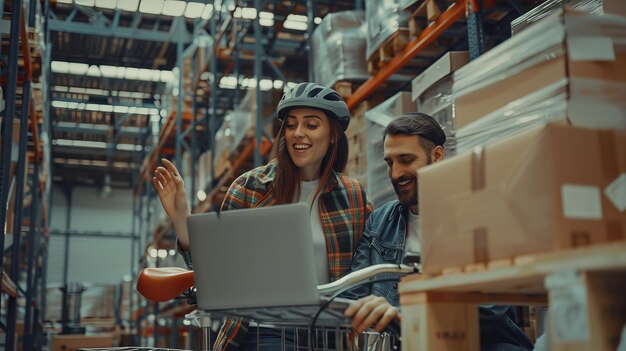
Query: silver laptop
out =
(254, 258)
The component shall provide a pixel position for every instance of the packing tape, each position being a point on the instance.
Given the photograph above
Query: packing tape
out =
(481, 251)
(478, 168)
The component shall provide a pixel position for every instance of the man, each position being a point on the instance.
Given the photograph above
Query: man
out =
(391, 235)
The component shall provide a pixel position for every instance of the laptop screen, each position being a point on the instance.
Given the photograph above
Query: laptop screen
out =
(261, 257)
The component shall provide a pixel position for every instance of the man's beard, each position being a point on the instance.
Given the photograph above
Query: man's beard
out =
(409, 199)
(413, 198)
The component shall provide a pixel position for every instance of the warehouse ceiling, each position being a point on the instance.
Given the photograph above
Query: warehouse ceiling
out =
(114, 61)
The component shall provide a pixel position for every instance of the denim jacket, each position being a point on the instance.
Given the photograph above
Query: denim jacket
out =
(383, 242)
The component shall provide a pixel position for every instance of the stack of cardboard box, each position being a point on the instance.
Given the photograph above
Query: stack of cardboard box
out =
(541, 186)
(432, 90)
(357, 149)
(542, 10)
(339, 48)
(567, 67)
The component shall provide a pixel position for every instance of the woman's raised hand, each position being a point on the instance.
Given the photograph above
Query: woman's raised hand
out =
(171, 190)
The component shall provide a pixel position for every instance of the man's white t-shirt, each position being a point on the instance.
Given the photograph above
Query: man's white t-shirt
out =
(307, 191)
(413, 244)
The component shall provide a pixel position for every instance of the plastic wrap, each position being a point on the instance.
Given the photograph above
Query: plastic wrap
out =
(606, 101)
(545, 40)
(384, 18)
(339, 44)
(437, 101)
(541, 42)
(559, 35)
(405, 4)
(545, 9)
(379, 186)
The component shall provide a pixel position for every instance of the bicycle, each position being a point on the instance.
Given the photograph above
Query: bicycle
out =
(325, 324)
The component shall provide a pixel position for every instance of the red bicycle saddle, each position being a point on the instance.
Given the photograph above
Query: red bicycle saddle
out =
(164, 284)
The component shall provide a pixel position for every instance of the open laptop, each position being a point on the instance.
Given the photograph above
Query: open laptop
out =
(253, 261)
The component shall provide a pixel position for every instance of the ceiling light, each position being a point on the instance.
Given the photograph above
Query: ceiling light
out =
(59, 104)
(92, 107)
(266, 84)
(120, 72)
(266, 22)
(201, 195)
(64, 1)
(93, 71)
(59, 66)
(106, 108)
(106, 4)
(296, 18)
(128, 5)
(208, 11)
(194, 10)
(89, 3)
(248, 13)
(107, 71)
(120, 109)
(173, 8)
(265, 14)
(295, 25)
(152, 7)
(131, 73)
(317, 20)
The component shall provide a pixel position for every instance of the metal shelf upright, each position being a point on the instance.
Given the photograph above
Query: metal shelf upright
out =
(26, 218)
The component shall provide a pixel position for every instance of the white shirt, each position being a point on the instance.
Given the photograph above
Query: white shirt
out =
(413, 244)
(307, 191)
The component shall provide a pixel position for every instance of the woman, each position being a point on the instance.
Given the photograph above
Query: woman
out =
(307, 159)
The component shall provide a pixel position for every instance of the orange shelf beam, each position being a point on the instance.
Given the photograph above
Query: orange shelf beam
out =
(428, 35)
(8, 286)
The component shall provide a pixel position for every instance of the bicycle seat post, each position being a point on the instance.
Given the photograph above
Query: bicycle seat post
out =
(205, 326)
(204, 323)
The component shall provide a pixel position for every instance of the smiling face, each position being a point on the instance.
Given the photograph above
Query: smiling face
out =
(404, 155)
(307, 138)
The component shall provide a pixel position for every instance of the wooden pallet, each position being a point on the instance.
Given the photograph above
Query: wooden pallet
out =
(387, 51)
(421, 15)
(346, 88)
(396, 44)
(587, 286)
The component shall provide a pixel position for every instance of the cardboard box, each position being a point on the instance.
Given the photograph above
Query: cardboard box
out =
(553, 51)
(448, 63)
(544, 189)
(75, 342)
(593, 305)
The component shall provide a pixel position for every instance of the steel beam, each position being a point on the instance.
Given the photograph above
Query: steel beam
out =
(7, 121)
(258, 75)
(102, 28)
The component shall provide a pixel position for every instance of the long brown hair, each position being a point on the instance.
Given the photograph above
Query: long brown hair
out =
(286, 183)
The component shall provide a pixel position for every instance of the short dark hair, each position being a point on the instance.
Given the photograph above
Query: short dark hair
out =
(419, 124)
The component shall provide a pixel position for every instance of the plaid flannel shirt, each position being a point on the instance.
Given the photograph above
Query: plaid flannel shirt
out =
(343, 209)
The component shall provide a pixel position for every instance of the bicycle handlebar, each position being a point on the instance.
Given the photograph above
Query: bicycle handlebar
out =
(371, 274)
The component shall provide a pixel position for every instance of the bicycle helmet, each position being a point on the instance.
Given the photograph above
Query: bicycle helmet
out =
(315, 96)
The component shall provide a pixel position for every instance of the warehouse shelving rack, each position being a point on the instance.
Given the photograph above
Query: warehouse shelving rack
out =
(23, 279)
(233, 47)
